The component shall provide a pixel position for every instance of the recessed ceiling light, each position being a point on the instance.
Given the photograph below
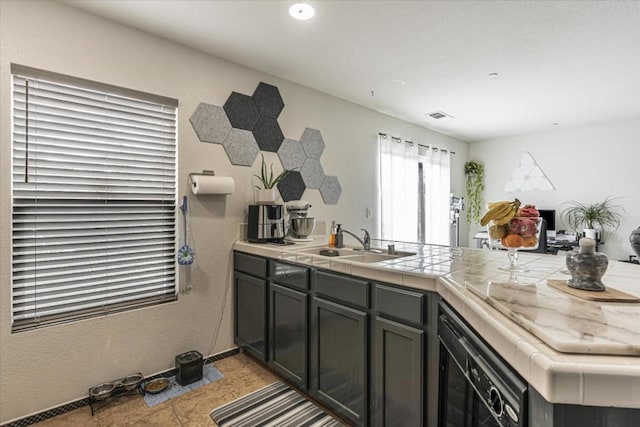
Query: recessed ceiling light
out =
(438, 115)
(493, 74)
(555, 124)
(399, 83)
(301, 11)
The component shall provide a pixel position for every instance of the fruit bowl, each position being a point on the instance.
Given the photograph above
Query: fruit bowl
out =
(518, 234)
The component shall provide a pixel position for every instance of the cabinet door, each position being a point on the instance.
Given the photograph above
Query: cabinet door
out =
(339, 359)
(288, 333)
(399, 374)
(250, 314)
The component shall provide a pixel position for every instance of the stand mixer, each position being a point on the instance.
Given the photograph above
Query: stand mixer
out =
(300, 225)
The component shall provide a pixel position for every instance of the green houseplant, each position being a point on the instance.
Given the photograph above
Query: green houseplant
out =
(474, 173)
(266, 194)
(603, 215)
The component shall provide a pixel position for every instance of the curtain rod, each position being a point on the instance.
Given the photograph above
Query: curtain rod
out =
(398, 140)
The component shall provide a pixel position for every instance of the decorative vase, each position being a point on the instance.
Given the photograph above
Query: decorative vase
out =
(587, 267)
(265, 196)
(634, 239)
(590, 233)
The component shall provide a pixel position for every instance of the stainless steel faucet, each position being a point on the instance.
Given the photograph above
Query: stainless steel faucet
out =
(365, 241)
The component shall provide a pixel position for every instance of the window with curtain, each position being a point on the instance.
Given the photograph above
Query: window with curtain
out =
(93, 199)
(415, 186)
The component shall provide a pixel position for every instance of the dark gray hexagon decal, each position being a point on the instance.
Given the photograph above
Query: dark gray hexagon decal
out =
(312, 173)
(241, 147)
(330, 190)
(210, 123)
(291, 187)
(268, 100)
(268, 134)
(291, 154)
(312, 143)
(242, 111)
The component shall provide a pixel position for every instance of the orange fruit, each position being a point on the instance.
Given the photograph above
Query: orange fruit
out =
(512, 241)
(529, 241)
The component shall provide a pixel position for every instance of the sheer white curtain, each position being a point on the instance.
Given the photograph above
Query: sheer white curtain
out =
(414, 191)
(399, 179)
(437, 179)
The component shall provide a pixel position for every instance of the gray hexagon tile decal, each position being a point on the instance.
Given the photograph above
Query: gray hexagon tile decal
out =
(241, 110)
(210, 123)
(291, 154)
(268, 134)
(291, 187)
(268, 100)
(312, 143)
(241, 147)
(330, 190)
(312, 173)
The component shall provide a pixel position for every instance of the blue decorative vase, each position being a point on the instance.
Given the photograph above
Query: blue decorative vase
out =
(587, 267)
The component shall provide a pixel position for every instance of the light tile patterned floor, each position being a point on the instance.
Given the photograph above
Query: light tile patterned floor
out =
(242, 375)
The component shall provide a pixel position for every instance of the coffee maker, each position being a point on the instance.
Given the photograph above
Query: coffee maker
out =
(265, 223)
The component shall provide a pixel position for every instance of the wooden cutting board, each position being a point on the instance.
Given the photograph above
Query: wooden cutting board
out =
(608, 295)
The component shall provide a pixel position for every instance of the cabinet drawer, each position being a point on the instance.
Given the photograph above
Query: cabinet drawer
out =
(400, 303)
(347, 289)
(288, 274)
(250, 264)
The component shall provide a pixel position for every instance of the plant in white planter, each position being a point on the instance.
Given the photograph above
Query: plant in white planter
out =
(603, 215)
(266, 194)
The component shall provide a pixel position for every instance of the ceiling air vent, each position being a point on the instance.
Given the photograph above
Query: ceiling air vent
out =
(439, 115)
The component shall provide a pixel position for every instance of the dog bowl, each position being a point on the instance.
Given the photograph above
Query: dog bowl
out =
(131, 381)
(156, 386)
(102, 391)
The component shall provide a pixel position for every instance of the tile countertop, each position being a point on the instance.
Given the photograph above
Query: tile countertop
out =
(570, 350)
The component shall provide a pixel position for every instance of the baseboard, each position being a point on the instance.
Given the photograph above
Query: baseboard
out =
(67, 407)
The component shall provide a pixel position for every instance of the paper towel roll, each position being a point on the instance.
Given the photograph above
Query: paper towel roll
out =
(208, 184)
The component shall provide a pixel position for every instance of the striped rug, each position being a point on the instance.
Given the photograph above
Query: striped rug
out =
(274, 405)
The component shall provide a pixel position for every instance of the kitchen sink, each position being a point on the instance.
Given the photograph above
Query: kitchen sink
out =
(355, 255)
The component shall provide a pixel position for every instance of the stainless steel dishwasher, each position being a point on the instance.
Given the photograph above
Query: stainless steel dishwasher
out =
(477, 388)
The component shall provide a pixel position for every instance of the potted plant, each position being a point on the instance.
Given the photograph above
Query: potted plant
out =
(474, 172)
(603, 215)
(266, 195)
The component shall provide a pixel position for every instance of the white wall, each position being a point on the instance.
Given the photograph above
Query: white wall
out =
(585, 164)
(47, 367)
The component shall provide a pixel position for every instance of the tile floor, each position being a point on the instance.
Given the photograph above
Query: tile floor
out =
(242, 375)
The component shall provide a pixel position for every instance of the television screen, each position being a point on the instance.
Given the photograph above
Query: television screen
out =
(549, 216)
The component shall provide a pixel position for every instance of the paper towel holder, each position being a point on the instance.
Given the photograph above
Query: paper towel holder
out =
(207, 172)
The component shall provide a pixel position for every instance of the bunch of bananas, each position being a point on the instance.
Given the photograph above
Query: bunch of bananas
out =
(500, 212)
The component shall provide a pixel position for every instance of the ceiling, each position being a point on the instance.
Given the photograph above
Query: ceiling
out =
(565, 62)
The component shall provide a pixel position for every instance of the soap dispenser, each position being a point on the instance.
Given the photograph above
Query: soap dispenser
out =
(332, 235)
(339, 237)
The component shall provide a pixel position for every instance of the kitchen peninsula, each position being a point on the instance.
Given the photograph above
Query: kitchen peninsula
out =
(578, 357)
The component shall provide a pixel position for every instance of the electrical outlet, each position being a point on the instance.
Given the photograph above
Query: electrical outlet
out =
(369, 213)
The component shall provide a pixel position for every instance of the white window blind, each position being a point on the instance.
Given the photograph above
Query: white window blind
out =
(94, 196)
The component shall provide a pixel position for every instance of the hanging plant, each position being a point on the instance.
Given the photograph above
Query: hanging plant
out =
(474, 173)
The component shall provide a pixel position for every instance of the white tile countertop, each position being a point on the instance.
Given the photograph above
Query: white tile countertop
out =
(570, 350)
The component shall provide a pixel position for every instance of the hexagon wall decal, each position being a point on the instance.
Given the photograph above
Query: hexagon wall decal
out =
(291, 187)
(210, 123)
(312, 173)
(241, 110)
(291, 154)
(268, 100)
(268, 134)
(241, 147)
(330, 190)
(312, 143)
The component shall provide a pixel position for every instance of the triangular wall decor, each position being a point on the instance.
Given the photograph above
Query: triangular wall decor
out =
(528, 176)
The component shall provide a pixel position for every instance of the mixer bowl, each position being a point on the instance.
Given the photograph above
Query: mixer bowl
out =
(303, 227)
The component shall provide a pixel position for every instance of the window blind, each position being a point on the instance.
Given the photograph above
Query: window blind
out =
(94, 196)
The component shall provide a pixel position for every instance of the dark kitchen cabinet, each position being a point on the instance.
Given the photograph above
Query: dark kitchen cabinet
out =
(339, 359)
(399, 374)
(288, 333)
(250, 304)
